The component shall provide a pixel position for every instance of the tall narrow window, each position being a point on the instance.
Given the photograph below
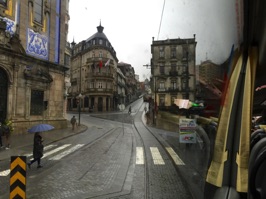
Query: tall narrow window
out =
(100, 54)
(161, 85)
(38, 11)
(173, 85)
(161, 68)
(92, 85)
(173, 67)
(185, 52)
(37, 104)
(161, 52)
(86, 101)
(173, 52)
(162, 100)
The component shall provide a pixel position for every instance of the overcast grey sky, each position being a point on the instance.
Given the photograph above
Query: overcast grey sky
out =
(130, 25)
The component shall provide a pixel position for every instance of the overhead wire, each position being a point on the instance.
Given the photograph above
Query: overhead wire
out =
(161, 20)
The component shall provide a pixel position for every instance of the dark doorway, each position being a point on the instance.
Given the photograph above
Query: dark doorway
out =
(107, 104)
(3, 95)
(100, 104)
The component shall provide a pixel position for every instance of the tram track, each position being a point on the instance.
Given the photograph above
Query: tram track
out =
(164, 145)
(170, 178)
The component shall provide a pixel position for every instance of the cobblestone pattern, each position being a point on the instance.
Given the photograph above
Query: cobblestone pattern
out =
(97, 170)
(163, 180)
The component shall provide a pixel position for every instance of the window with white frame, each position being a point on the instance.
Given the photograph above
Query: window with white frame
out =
(91, 84)
(161, 85)
(100, 85)
(173, 84)
(100, 54)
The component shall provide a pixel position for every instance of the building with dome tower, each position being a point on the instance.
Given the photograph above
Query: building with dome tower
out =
(93, 74)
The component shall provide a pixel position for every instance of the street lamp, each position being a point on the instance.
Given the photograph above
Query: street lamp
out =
(79, 97)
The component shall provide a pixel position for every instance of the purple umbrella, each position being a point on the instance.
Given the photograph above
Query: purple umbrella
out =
(40, 128)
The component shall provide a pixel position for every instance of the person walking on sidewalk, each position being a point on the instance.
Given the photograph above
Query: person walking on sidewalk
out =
(73, 121)
(8, 129)
(37, 150)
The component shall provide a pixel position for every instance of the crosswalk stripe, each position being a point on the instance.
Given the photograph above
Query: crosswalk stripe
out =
(175, 157)
(56, 150)
(45, 148)
(157, 158)
(63, 154)
(5, 172)
(139, 155)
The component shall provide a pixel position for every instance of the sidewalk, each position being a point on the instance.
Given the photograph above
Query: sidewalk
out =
(18, 142)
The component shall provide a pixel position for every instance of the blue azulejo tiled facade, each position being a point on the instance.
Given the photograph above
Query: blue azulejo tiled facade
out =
(37, 44)
(10, 25)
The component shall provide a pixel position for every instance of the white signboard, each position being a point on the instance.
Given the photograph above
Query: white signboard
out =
(187, 133)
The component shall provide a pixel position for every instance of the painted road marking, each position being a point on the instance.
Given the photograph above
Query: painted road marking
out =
(63, 154)
(5, 172)
(56, 150)
(157, 158)
(139, 155)
(175, 157)
(45, 149)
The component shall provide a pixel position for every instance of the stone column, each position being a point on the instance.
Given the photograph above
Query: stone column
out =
(27, 100)
(15, 88)
(10, 106)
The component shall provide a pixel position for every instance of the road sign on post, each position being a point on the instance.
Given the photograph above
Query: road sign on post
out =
(187, 130)
(18, 177)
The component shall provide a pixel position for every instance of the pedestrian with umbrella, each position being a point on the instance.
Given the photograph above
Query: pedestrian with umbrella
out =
(37, 150)
(38, 143)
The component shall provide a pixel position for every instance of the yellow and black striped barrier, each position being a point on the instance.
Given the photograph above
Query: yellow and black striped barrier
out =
(18, 177)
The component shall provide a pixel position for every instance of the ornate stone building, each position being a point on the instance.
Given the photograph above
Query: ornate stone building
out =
(120, 100)
(173, 70)
(131, 82)
(32, 72)
(93, 74)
